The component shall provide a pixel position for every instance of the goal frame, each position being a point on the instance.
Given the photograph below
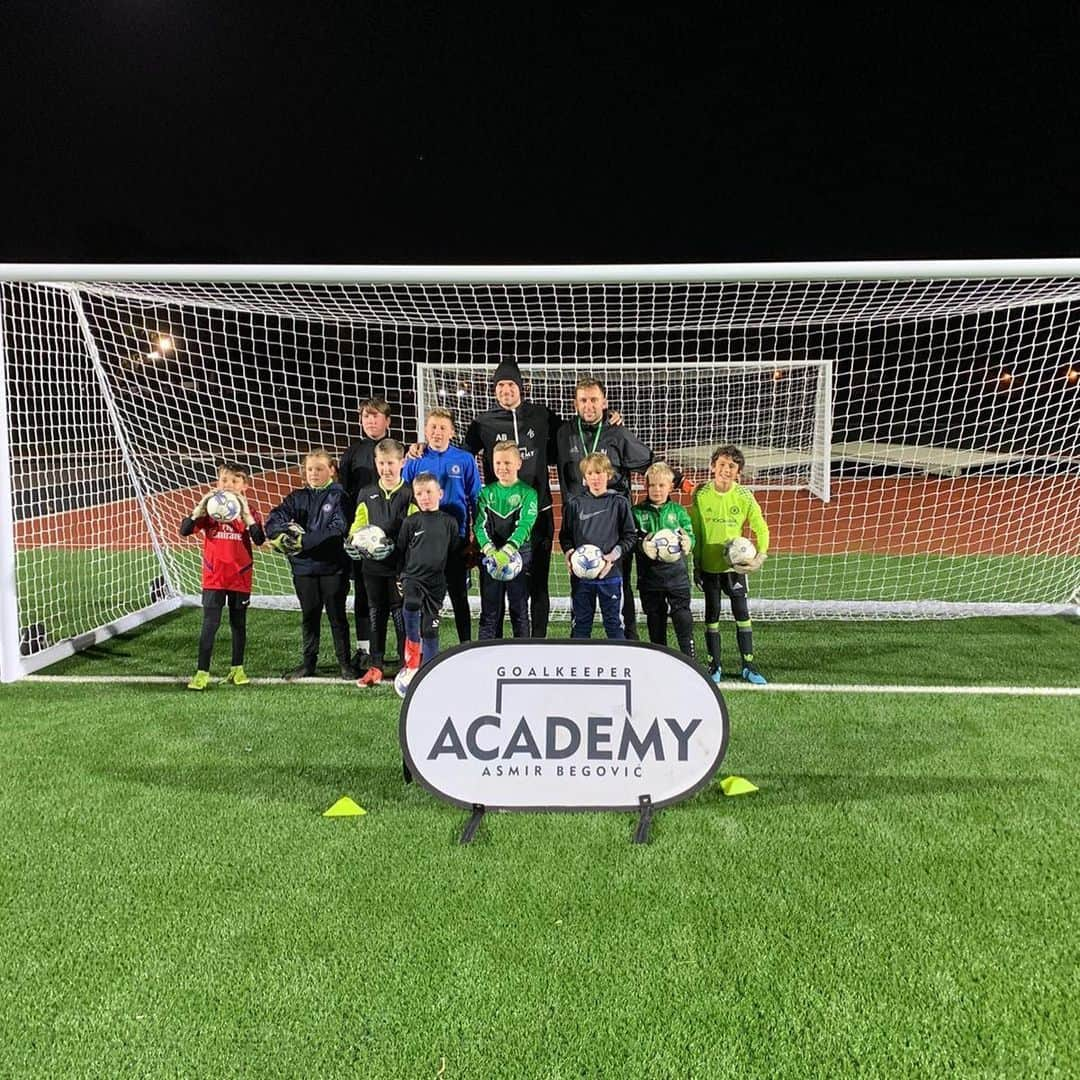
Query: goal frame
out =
(13, 665)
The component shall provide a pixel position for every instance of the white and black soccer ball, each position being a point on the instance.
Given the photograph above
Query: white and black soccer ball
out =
(223, 506)
(587, 561)
(509, 571)
(740, 550)
(369, 539)
(402, 680)
(663, 545)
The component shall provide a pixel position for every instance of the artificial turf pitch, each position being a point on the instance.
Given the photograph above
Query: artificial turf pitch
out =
(900, 897)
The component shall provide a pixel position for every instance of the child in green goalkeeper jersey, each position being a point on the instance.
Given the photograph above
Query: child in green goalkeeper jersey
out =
(720, 509)
(505, 515)
(664, 586)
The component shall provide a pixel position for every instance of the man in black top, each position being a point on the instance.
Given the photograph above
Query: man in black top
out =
(532, 429)
(593, 432)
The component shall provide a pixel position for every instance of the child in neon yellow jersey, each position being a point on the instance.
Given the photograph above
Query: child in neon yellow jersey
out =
(719, 511)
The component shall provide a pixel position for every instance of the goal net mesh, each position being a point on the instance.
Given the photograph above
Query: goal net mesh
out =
(912, 443)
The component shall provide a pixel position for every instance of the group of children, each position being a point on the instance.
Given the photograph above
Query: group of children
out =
(427, 507)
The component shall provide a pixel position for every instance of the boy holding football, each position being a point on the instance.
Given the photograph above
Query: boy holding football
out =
(720, 508)
(663, 580)
(603, 518)
(505, 515)
(226, 578)
(425, 542)
(385, 504)
(357, 471)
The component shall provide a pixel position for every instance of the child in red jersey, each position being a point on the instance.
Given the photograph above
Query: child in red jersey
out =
(226, 577)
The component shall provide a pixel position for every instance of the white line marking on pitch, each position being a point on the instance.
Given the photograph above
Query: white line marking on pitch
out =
(799, 688)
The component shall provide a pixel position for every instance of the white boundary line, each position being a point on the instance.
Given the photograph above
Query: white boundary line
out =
(796, 688)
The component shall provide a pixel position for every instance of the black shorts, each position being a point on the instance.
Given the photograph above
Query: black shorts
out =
(216, 598)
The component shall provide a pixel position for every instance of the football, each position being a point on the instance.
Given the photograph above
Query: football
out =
(740, 550)
(663, 545)
(369, 539)
(587, 561)
(509, 571)
(223, 506)
(402, 680)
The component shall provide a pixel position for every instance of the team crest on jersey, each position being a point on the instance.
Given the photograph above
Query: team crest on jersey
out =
(455, 470)
(515, 500)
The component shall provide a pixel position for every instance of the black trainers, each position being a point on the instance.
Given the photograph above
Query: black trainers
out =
(302, 672)
(348, 672)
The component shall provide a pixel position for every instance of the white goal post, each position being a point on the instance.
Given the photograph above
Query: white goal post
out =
(910, 428)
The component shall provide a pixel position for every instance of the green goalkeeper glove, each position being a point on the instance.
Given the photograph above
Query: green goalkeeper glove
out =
(289, 540)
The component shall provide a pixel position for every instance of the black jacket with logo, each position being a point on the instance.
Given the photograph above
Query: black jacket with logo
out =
(604, 520)
(321, 513)
(424, 541)
(529, 427)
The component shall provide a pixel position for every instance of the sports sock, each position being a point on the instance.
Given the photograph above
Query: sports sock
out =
(745, 638)
(712, 642)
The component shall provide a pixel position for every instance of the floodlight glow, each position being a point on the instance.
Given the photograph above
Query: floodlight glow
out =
(1072, 376)
(165, 344)
(1005, 378)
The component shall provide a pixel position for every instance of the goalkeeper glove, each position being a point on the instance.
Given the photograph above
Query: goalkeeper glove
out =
(246, 515)
(353, 551)
(490, 565)
(501, 559)
(289, 540)
(384, 550)
(200, 507)
(489, 549)
(686, 541)
(751, 565)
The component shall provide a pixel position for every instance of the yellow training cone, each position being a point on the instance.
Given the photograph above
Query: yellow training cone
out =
(344, 807)
(736, 785)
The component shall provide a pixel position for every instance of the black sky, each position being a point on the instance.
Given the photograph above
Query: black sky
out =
(142, 130)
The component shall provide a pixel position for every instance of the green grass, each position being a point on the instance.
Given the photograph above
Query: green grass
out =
(898, 899)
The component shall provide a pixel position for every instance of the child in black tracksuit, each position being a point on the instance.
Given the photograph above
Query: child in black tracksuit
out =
(386, 504)
(603, 518)
(309, 526)
(424, 542)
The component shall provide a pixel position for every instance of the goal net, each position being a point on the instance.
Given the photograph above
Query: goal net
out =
(910, 430)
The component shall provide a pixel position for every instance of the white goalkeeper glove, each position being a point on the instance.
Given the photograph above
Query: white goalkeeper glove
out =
(246, 516)
(686, 541)
(384, 550)
(751, 566)
(200, 507)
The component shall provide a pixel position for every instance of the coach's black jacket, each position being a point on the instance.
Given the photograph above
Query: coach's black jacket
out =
(625, 452)
(604, 520)
(321, 513)
(529, 427)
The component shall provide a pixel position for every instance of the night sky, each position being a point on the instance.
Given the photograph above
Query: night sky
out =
(154, 131)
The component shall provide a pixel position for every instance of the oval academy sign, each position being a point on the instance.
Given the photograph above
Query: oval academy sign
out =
(562, 725)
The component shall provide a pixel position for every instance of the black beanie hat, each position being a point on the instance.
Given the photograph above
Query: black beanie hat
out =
(508, 371)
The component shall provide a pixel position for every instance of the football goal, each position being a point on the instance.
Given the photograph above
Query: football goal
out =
(910, 429)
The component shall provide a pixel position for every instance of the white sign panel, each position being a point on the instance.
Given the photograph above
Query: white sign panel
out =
(535, 725)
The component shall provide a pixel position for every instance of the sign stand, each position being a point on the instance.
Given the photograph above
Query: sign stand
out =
(472, 824)
(645, 808)
(406, 775)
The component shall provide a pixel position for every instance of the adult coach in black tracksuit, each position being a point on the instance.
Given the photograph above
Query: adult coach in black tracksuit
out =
(592, 432)
(532, 429)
